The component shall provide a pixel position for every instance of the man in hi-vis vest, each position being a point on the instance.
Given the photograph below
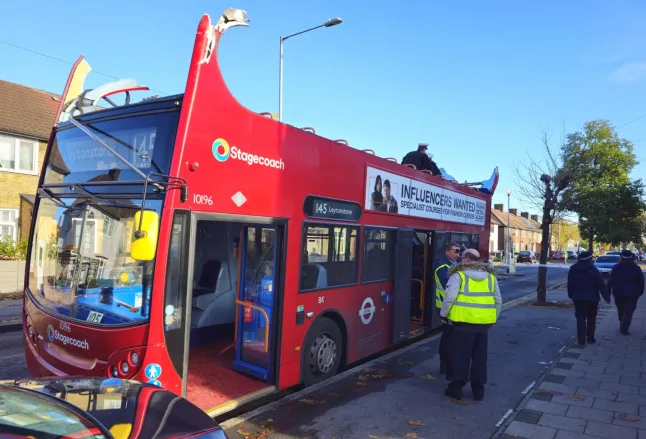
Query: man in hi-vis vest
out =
(471, 305)
(442, 265)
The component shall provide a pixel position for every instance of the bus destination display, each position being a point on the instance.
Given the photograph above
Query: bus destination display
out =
(328, 208)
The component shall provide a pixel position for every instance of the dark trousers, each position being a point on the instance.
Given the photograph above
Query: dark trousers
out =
(445, 342)
(468, 353)
(625, 309)
(586, 319)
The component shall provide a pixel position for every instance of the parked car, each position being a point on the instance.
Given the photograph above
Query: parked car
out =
(605, 263)
(93, 408)
(571, 254)
(558, 256)
(526, 256)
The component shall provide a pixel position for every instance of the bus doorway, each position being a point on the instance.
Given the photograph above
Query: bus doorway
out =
(233, 309)
(420, 281)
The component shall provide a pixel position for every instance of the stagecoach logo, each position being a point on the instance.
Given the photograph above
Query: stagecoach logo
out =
(50, 332)
(367, 311)
(222, 151)
(53, 334)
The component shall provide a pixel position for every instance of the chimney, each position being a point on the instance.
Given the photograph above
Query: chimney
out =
(525, 215)
(513, 211)
(534, 218)
(500, 207)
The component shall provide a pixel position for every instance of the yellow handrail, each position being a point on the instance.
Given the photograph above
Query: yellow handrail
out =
(411, 166)
(264, 313)
(421, 294)
(391, 159)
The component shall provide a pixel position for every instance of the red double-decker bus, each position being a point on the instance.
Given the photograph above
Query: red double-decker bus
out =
(189, 242)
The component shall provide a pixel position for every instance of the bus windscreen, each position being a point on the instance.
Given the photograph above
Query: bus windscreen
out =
(81, 266)
(146, 141)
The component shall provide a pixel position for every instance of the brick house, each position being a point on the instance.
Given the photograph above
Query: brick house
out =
(525, 229)
(26, 118)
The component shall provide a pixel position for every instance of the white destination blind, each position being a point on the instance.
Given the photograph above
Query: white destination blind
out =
(387, 192)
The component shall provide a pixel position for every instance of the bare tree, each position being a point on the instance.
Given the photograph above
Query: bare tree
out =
(540, 183)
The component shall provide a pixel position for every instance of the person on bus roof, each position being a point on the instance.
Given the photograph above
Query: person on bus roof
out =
(421, 160)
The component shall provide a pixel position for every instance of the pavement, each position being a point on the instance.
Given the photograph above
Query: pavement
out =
(596, 391)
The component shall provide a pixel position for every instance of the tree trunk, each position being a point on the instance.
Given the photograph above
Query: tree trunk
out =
(541, 288)
(591, 243)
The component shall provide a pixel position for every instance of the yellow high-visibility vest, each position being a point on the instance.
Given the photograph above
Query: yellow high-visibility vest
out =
(439, 289)
(475, 302)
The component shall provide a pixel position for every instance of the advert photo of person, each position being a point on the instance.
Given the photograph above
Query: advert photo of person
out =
(389, 204)
(376, 198)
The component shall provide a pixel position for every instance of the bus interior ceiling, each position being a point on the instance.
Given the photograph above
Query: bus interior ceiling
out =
(421, 282)
(211, 378)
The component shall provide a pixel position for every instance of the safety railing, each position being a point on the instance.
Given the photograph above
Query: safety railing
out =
(342, 141)
(267, 114)
(264, 314)
(368, 151)
(309, 130)
(411, 166)
(391, 159)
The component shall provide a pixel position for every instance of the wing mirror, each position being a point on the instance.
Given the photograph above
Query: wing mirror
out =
(145, 244)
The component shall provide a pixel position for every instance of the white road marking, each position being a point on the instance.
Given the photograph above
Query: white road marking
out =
(505, 416)
(528, 388)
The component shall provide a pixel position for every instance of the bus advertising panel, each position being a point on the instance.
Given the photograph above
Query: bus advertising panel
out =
(388, 192)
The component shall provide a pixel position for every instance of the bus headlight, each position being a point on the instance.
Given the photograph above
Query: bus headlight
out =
(125, 368)
(134, 357)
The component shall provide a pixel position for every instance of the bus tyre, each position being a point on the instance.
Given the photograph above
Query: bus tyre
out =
(322, 353)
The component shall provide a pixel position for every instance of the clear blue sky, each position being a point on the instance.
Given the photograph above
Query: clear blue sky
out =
(478, 80)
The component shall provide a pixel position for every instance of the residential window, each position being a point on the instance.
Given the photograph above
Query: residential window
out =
(378, 255)
(8, 224)
(329, 256)
(18, 155)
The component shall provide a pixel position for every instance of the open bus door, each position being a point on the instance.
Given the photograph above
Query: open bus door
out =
(401, 291)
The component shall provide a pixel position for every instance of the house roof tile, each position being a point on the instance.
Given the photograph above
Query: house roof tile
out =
(27, 111)
(515, 221)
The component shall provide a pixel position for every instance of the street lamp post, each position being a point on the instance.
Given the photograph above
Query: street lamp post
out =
(329, 23)
(508, 232)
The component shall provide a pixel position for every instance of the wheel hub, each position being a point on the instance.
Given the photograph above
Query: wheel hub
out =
(322, 354)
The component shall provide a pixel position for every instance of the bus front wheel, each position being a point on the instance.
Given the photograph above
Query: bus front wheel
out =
(323, 351)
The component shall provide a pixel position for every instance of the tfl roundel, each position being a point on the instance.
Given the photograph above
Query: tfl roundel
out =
(220, 150)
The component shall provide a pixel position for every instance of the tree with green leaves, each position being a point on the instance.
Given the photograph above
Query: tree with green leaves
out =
(599, 163)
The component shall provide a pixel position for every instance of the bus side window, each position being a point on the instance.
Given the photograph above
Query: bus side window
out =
(378, 255)
(329, 256)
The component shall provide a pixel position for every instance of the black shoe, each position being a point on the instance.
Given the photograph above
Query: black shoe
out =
(442, 368)
(625, 333)
(452, 393)
(591, 341)
(478, 393)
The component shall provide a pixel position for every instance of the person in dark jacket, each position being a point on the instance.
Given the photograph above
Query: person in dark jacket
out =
(421, 160)
(441, 268)
(626, 284)
(584, 286)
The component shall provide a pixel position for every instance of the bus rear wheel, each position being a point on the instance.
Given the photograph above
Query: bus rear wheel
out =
(323, 351)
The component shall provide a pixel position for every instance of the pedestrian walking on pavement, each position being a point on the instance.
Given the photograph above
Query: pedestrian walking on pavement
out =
(471, 305)
(442, 265)
(585, 287)
(626, 284)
